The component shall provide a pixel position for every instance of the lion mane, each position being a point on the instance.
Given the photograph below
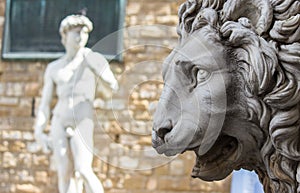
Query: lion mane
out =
(263, 36)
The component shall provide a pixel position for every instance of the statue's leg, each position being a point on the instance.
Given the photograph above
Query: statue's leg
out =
(78, 182)
(82, 150)
(75, 186)
(62, 156)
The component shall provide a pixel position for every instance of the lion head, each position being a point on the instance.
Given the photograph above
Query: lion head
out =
(232, 89)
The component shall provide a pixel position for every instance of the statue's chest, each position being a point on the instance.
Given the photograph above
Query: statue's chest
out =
(69, 72)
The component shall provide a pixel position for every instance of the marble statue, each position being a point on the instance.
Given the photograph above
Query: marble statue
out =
(73, 77)
(232, 91)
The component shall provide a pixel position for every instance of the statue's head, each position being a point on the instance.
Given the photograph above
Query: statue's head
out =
(75, 25)
(232, 90)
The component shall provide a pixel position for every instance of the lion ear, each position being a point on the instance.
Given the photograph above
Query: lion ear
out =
(235, 9)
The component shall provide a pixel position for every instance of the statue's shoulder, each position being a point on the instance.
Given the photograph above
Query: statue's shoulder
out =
(55, 65)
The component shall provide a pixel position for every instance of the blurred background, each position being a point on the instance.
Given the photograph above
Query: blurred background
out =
(124, 161)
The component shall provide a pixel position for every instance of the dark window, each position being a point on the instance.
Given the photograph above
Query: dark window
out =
(31, 27)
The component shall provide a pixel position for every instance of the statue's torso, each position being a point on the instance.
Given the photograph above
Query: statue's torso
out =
(75, 87)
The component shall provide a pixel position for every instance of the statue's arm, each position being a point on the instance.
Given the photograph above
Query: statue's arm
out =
(100, 67)
(44, 110)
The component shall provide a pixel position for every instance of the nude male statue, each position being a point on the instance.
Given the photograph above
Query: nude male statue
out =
(74, 77)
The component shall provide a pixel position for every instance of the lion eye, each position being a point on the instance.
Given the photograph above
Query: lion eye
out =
(202, 75)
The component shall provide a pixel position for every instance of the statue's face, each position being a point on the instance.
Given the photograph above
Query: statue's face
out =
(192, 105)
(76, 37)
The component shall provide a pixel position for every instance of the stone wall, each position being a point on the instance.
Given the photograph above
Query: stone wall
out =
(124, 161)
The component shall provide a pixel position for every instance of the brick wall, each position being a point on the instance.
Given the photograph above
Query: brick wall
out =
(124, 161)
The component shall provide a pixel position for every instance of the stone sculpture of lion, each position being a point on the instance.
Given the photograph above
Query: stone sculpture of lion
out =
(232, 91)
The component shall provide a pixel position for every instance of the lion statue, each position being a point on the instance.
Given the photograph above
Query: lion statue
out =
(232, 91)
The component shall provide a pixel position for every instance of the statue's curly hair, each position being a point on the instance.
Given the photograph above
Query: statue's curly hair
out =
(72, 21)
(267, 55)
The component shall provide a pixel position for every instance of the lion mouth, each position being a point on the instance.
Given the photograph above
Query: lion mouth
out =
(162, 147)
(171, 141)
(222, 155)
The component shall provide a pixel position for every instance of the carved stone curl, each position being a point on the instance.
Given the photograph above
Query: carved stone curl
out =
(232, 91)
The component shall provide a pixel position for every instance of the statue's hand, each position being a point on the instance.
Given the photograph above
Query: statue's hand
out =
(44, 141)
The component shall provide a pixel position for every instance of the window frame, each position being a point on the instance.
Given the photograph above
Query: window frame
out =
(7, 54)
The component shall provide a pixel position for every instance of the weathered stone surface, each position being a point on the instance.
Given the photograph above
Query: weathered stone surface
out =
(153, 32)
(135, 182)
(174, 183)
(25, 160)
(25, 176)
(145, 141)
(2, 88)
(41, 176)
(128, 162)
(162, 170)
(133, 8)
(4, 176)
(9, 101)
(167, 20)
(9, 160)
(177, 167)
(40, 160)
(33, 147)
(16, 77)
(27, 188)
(13, 135)
(28, 136)
(107, 184)
(14, 89)
(32, 89)
(17, 146)
(4, 146)
(151, 184)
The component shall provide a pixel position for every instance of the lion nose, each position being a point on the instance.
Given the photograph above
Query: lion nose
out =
(161, 132)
